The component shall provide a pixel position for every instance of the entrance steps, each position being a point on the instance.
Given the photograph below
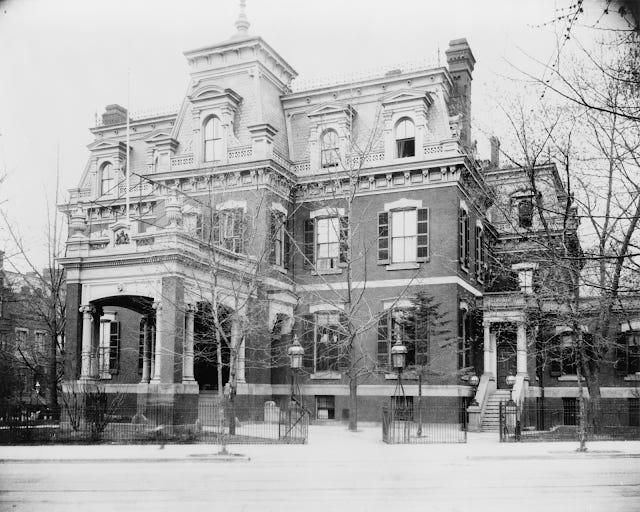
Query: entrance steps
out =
(491, 416)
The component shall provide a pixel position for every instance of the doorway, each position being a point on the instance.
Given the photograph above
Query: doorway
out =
(211, 348)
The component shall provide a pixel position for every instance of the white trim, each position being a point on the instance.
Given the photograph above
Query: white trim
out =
(278, 207)
(403, 203)
(525, 265)
(397, 303)
(390, 283)
(327, 212)
(376, 390)
(326, 376)
(315, 308)
(632, 325)
(479, 224)
(231, 204)
(464, 305)
(463, 205)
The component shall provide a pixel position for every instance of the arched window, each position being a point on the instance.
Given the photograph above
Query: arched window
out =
(329, 148)
(107, 179)
(212, 139)
(405, 138)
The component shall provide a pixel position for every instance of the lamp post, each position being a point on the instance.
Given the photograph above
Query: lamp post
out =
(510, 380)
(473, 382)
(398, 359)
(295, 352)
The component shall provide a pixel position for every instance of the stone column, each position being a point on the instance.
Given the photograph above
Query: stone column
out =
(521, 354)
(146, 351)
(152, 351)
(158, 348)
(488, 367)
(187, 354)
(87, 341)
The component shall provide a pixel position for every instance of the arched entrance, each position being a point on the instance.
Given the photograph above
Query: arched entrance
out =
(212, 337)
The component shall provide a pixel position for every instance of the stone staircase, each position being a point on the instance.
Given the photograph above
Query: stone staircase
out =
(491, 416)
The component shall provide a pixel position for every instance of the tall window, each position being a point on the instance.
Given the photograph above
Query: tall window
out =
(403, 236)
(109, 347)
(463, 237)
(464, 339)
(192, 223)
(212, 140)
(229, 229)
(279, 239)
(564, 359)
(21, 337)
(628, 353)
(414, 335)
(329, 151)
(405, 138)
(154, 161)
(325, 242)
(41, 342)
(107, 179)
(328, 348)
(480, 255)
(525, 213)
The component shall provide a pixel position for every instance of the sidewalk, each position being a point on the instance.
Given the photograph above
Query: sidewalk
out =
(326, 443)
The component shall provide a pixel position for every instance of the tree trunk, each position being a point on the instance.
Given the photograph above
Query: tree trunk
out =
(593, 411)
(219, 364)
(582, 432)
(353, 403)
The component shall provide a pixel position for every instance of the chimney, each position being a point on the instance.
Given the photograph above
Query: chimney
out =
(495, 152)
(460, 61)
(114, 114)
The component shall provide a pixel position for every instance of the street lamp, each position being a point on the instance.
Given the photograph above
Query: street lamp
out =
(510, 380)
(295, 352)
(37, 387)
(398, 359)
(473, 382)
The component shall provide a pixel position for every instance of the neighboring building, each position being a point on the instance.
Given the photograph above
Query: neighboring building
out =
(23, 339)
(238, 204)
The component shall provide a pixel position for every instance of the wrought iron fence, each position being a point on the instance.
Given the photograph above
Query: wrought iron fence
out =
(423, 425)
(162, 423)
(559, 420)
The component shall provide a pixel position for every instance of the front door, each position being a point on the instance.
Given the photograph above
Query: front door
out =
(506, 363)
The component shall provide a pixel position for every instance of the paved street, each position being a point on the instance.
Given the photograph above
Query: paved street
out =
(338, 470)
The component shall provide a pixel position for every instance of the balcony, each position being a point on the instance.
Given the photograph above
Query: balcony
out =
(449, 148)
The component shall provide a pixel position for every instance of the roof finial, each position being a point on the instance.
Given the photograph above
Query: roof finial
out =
(242, 23)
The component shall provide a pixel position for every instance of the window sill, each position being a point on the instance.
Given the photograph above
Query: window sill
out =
(405, 376)
(326, 272)
(633, 377)
(325, 376)
(403, 266)
(280, 269)
(569, 378)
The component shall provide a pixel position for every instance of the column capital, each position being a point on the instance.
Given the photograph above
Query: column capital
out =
(486, 323)
(157, 305)
(87, 309)
(190, 308)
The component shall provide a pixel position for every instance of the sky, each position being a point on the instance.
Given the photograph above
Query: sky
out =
(62, 62)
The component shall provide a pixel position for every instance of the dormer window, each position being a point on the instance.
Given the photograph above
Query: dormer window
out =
(405, 138)
(212, 140)
(329, 149)
(107, 179)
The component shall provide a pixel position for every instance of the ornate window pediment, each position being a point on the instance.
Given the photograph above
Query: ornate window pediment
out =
(407, 96)
(334, 110)
(208, 93)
